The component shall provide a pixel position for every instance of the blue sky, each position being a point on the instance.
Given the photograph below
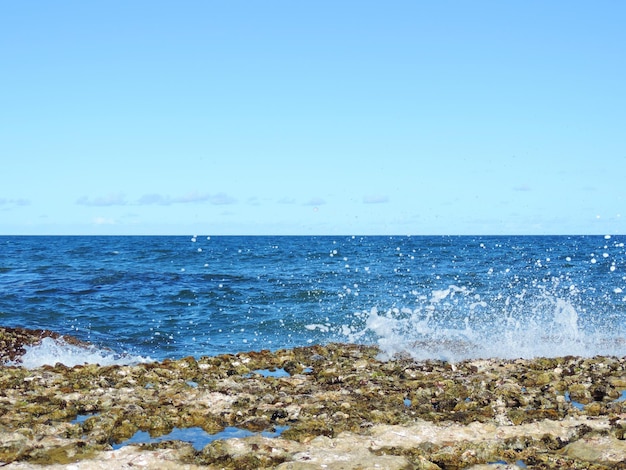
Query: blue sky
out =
(282, 117)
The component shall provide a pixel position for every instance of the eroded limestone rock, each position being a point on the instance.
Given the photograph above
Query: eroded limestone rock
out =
(337, 405)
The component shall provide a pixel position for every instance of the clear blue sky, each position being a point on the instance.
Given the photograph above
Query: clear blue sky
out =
(312, 117)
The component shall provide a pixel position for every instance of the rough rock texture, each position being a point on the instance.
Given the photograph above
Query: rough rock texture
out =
(341, 408)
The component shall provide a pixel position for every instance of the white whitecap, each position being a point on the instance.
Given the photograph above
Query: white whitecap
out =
(52, 351)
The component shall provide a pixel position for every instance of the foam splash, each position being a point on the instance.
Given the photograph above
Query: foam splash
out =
(456, 324)
(52, 351)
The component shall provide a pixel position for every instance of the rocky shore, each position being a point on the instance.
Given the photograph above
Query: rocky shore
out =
(334, 407)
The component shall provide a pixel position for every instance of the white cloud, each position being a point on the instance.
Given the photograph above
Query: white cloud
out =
(316, 201)
(155, 199)
(103, 221)
(522, 187)
(286, 200)
(103, 201)
(375, 199)
(220, 199)
(14, 202)
(192, 198)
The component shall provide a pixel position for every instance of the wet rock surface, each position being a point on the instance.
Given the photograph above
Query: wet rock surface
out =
(13, 341)
(337, 405)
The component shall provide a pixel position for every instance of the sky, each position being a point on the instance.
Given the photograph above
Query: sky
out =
(312, 118)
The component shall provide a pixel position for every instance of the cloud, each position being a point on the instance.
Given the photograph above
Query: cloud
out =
(192, 197)
(14, 202)
(218, 199)
(316, 201)
(522, 187)
(221, 199)
(286, 200)
(103, 221)
(105, 201)
(154, 199)
(375, 199)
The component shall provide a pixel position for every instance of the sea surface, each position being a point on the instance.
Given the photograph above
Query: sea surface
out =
(444, 297)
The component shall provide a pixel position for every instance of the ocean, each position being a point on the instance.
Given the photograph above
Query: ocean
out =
(142, 298)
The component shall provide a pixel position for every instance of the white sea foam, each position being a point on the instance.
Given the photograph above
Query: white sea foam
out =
(52, 351)
(529, 324)
(317, 326)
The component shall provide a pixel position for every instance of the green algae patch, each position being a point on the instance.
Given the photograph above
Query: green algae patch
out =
(63, 455)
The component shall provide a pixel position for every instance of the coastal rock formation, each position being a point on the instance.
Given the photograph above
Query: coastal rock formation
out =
(334, 406)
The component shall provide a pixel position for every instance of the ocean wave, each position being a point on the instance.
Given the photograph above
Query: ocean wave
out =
(36, 348)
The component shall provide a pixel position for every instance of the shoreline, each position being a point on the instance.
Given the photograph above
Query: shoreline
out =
(335, 405)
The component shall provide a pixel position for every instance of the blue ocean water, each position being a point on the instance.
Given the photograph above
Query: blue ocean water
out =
(446, 297)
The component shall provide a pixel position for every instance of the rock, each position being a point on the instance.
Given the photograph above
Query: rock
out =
(598, 449)
(341, 408)
(11, 444)
(345, 452)
(127, 457)
(250, 453)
